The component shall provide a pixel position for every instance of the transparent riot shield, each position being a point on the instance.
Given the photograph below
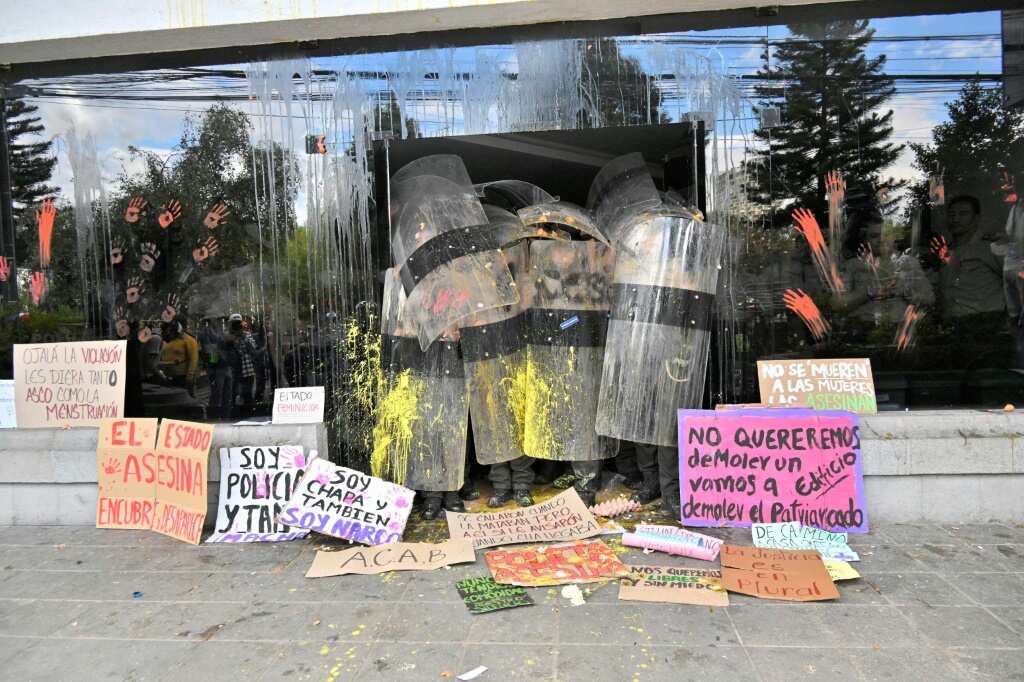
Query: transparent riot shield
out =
(512, 195)
(656, 352)
(567, 294)
(444, 248)
(419, 436)
(622, 188)
(494, 356)
(559, 215)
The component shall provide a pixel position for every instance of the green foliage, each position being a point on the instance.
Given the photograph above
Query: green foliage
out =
(31, 161)
(831, 97)
(621, 90)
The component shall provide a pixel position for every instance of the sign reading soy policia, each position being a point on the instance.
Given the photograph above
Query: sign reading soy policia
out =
(58, 385)
(157, 485)
(822, 384)
(741, 467)
(348, 504)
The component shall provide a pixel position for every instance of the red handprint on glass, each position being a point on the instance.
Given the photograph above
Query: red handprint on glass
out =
(134, 290)
(204, 250)
(136, 209)
(5, 269)
(37, 287)
(807, 225)
(217, 214)
(171, 212)
(799, 302)
(941, 249)
(170, 310)
(150, 254)
(44, 222)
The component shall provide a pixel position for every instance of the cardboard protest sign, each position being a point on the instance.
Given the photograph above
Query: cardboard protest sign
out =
(840, 570)
(674, 585)
(672, 540)
(400, 556)
(822, 384)
(182, 456)
(743, 467)
(7, 415)
(570, 562)
(255, 484)
(788, 575)
(298, 405)
(563, 517)
(794, 535)
(57, 385)
(348, 504)
(483, 595)
(126, 471)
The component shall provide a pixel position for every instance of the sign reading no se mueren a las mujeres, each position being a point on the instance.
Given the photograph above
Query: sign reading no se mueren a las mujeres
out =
(822, 384)
(749, 466)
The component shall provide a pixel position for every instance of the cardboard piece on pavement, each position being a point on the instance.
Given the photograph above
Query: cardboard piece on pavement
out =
(674, 585)
(126, 474)
(584, 561)
(563, 517)
(840, 570)
(183, 457)
(400, 556)
(482, 595)
(298, 405)
(348, 504)
(789, 575)
(59, 385)
(255, 482)
(794, 535)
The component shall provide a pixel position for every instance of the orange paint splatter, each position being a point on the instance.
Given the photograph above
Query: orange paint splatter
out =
(5, 269)
(807, 225)
(941, 249)
(905, 334)
(797, 301)
(44, 222)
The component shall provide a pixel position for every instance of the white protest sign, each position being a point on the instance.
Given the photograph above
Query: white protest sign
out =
(255, 484)
(299, 405)
(348, 504)
(794, 535)
(7, 418)
(58, 385)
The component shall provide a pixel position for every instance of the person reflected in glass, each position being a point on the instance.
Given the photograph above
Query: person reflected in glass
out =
(179, 357)
(217, 355)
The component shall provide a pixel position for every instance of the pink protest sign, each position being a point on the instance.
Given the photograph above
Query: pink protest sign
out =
(738, 467)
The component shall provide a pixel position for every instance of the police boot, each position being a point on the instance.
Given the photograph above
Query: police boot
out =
(452, 502)
(431, 506)
(649, 491)
(500, 498)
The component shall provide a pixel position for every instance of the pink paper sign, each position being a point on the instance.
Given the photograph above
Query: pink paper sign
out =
(738, 467)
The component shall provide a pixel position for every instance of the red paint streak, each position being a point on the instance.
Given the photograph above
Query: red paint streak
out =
(797, 301)
(37, 287)
(905, 334)
(941, 249)
(807, 225)
(44, 221)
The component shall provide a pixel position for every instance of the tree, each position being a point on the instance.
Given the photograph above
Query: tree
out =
(31, 161)
(624, 95)
(831, 96)
(981, 139)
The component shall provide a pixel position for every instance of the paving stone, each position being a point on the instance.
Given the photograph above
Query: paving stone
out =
(422, 622)
(866, 625)
(991, 665)
(991, 589)
(915, 534)
(786, 624)
(927, 589)
(971, 558)
(312, 660)
(1011, 615)
(605, 623)
(888, 558)
(684, 624)
(960, 626)
(789, 663)
(32, 617)
(986, 533)
(96, 659)
(415, 661)
(882, 665)
(504, 662)
(600, 663)
(501, 627)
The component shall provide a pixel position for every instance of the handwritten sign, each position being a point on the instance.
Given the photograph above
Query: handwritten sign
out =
(483, 595)
(794, 535)
(349, 505)
(751, 466)
(183, 457)
(672, 540)
(818, 384)
(788, 575)
(400, 556)
(674, 585)
(299, 405)
(563, 517)
(570, 562)
(7, 414)
(68, 384)
(840, 570)
(126, 472)
(255, 484)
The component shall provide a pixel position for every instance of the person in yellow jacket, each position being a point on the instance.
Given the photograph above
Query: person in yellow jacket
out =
(179, 358)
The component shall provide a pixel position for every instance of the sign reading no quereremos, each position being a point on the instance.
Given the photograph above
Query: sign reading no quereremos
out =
(303, 405)
(58, 385)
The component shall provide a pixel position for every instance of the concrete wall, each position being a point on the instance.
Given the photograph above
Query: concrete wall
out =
(48, 476)
(959, 466)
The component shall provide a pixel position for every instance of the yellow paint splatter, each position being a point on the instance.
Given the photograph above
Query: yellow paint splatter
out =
(392, 433)
(324, 650)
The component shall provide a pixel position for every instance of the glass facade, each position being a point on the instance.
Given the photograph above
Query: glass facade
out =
(233, 222)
